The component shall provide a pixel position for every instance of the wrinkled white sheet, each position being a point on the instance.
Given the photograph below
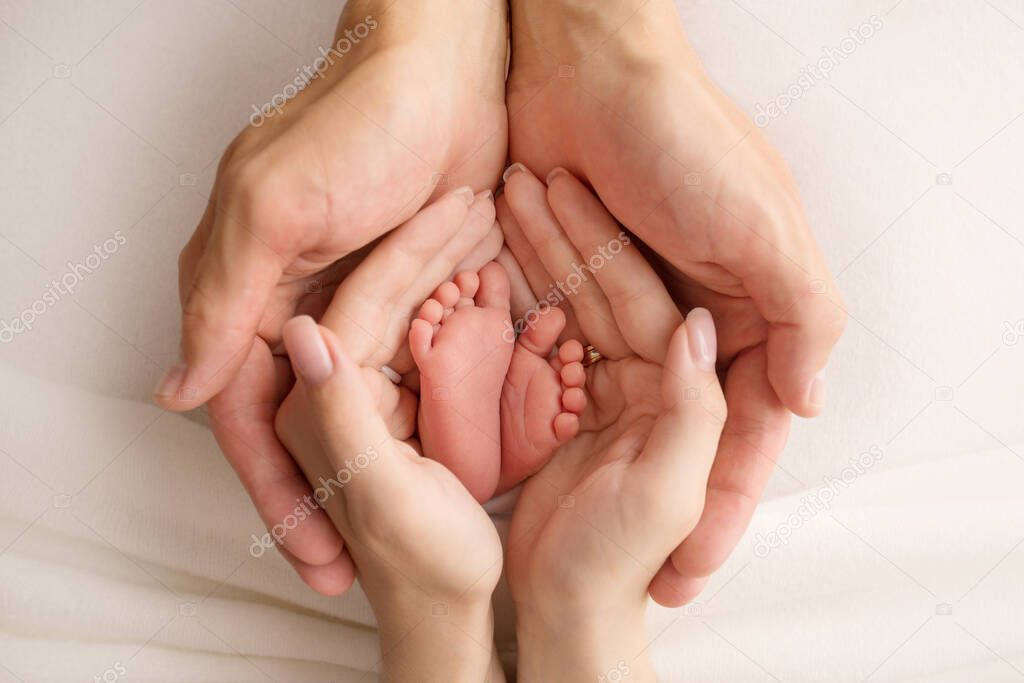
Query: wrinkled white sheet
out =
(124, 535)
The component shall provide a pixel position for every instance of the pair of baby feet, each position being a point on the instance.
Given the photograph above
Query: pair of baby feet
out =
(493, 408)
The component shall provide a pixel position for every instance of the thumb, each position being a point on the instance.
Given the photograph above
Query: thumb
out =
(221, 312)
(344, 412)
(681, 448)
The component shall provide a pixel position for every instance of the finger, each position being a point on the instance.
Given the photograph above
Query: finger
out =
(371, 310)
(676, 460)
(520, 294)
(242, 418)
(330, 579)
(527, 197)
(484, 252)
(642, 307)
(222, 308)
(353, 435)
(789, 282)
(753, 437)
(539, 282)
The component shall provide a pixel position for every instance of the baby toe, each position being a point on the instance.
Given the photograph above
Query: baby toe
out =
(542, 332)
(570, 352)
(421, 336)
(567, 425)
(447, 294)
(573, 374)
(468, 282)
(431, 311)
(574, 400)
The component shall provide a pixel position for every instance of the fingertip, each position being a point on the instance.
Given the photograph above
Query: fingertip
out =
(330, 579)
(308, 352)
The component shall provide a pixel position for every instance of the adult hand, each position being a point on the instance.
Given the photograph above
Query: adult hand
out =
(614, 93)
(356, 153)
(590, 531)
(428, 555)
(370, 314)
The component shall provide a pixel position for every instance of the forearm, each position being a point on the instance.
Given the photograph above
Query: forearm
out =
(469, 26)
(571, 31)
(585, 648)
(425, 641)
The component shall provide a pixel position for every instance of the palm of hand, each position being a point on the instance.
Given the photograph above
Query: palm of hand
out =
(581, 504)
(669, 167)
(291, 180)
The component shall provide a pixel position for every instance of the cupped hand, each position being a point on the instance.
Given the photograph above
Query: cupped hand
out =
(427, 554)
(404, 115)
(616, 95)
(369, 314)
(590, 531)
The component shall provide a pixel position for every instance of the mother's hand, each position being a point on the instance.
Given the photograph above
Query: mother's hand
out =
(369, 313)
(592, 530)
(425, 549)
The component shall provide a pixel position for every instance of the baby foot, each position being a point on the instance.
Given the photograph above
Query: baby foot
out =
(462, 343)
(541, 399)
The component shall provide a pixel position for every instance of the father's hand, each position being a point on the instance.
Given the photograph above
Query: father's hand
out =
(413, 109)
(613, 92)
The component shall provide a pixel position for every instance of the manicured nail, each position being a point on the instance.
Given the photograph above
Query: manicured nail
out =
(816, 394)
(511, 171)
(465, 194)
(555, 172)
(703, 342)
(170, 385)
(309, 355)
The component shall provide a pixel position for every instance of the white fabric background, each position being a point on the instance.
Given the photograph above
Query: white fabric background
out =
(124, 534)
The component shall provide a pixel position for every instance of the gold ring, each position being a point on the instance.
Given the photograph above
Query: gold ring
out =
(590, 355)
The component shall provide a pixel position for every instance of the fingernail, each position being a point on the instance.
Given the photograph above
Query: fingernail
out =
(309, 355)
(171, 382)
(555, 172)
(816, 394)
(486, 194)
(465, 194)
(511, 171)
(703, 342)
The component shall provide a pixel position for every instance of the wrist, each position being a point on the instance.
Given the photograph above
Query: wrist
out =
(633, 32)
(434, 640)
(466, 27)
(585, 646)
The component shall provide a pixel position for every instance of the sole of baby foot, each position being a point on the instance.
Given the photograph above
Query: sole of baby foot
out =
(541, 400)
(462, 345)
